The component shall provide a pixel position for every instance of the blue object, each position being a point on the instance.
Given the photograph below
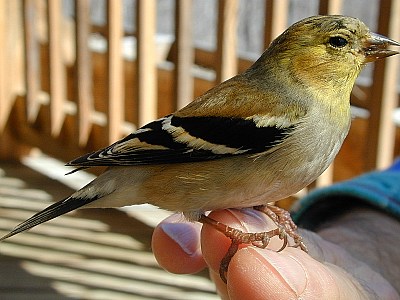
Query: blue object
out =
(380, 189)
(395, 166)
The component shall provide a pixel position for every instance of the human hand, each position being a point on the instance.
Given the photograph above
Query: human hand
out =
(330, 271)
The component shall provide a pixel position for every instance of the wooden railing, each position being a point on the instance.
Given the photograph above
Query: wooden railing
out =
(59, 95)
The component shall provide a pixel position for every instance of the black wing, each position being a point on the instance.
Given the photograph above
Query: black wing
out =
(175, 139)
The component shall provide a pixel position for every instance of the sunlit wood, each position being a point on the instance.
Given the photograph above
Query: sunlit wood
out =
(146, 61)
(83, 257)
(84, 77)
(276, 15)
(115, 71)
(384, 94)
(227, 39)
(56, 67)
(32, 67)
(184, 54)
(330, 7)
(4, 97)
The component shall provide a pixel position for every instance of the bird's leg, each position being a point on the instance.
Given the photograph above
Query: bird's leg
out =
(258, 239)
(281, 217)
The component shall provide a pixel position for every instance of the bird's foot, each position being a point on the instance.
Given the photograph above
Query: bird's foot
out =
(282, 218)
(258, 239)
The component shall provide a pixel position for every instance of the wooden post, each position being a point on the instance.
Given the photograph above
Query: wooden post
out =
(115, 71)
(328, 7)
(146, 61)
(5, 106)
(56, 68)
(276, 15)
(83, 90)
(32, 60)
(383, 96)
(184, 55)
(227, 39)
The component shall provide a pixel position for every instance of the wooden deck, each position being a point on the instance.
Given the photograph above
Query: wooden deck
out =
(98, 253)
(89, 254)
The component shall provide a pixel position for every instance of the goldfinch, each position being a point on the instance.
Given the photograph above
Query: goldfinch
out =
(254, 139)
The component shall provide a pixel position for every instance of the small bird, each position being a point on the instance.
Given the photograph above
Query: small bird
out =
(254, 139)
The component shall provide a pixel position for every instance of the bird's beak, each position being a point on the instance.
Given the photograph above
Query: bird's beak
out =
(376, 47)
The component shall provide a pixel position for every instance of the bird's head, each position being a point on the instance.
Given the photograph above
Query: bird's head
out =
(327, 51)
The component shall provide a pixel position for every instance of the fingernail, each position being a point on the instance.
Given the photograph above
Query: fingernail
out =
(251, 219)
(186, 235)
(288, 267)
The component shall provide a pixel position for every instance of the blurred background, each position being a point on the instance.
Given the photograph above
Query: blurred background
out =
(78, 75)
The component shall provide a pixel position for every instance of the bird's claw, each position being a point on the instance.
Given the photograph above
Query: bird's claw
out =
(283, 220)
(257, 239)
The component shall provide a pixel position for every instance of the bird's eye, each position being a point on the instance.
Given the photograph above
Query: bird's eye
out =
(338, 41)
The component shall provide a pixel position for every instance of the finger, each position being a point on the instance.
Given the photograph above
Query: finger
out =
(335, 256)
(176, 245)
(215, 244)
(291, 274)
(219, 284)
(256, 273)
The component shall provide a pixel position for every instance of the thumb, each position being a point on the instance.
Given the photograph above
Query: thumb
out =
(291, 274)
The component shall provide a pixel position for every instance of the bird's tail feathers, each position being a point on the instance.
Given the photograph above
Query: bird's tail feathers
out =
(57, 209)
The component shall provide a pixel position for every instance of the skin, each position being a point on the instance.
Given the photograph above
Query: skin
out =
(355, 256)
